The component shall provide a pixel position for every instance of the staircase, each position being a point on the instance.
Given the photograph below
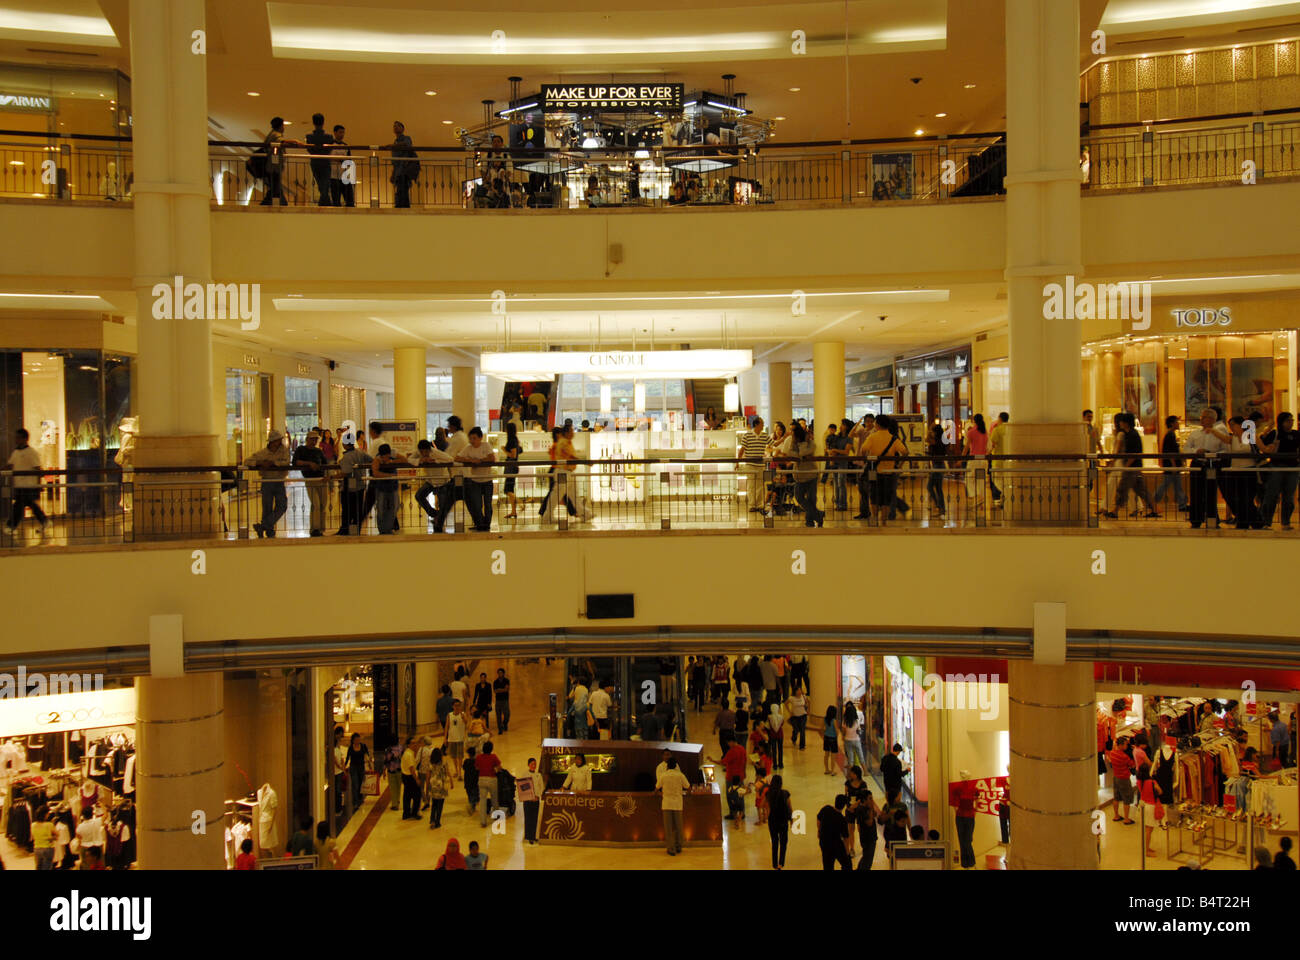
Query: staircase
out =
(708, 393)
(985, 172)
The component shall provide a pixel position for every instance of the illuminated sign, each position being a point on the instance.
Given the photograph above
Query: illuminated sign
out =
(619, 364)
(1203, 317)
(26, 103)
(612, 97)
(67, 711)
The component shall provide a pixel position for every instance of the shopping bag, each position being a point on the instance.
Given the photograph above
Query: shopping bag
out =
(370, 784)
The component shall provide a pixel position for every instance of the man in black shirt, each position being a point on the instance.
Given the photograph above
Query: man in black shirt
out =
(1171, 480)
(318, 145)
(833, 835)
(310, 460)
(1284, 444)
(892, 770)
(501, 689)
(483, 695)
(406, 168)
(342, 191)
(1130, 478)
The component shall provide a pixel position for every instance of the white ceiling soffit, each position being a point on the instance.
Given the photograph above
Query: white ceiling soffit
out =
(555, 38)
(593, 303)
(1254, 283)
(78, 22)
(1144, 16)
(53, 301)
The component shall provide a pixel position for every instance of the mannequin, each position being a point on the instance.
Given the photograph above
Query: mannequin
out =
(109, 187)
(125, 456)
(268, 832)
(1164, 768)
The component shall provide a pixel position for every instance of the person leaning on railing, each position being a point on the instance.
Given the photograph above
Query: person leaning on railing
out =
(310, 460)
(1283, 470)
(273, 463)
(352, 465)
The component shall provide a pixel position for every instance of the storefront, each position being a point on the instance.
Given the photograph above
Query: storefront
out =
(904, 721)
(65, 753)
(869, 391)
(1236, 354)
(937, 386)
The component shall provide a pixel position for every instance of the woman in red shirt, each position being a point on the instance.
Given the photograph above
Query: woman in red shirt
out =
(965, 795)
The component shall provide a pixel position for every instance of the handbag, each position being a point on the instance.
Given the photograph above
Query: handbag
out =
(370, 784)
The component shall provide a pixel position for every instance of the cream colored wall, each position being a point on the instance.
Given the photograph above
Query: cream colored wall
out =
(66, 246)
(117, 590)
(228, 355)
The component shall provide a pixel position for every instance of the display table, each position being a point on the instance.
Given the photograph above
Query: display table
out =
(625, 811)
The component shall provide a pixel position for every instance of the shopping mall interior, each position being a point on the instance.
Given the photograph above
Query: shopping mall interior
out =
(1003, 294)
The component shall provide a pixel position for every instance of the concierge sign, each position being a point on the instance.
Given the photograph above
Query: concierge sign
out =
(612, 97)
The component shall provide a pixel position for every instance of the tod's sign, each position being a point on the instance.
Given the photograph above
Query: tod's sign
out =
(1203, 317)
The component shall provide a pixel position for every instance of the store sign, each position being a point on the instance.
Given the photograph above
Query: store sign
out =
(401, 435)
(922, 369)
(618, 364)
(24, 103)
(612, 97)
(1202, 317)
(62, 712)
(304, 368)
(870, 380)
(988, 794)
(252, 360)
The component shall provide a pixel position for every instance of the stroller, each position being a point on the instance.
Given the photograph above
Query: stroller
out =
(506, 791)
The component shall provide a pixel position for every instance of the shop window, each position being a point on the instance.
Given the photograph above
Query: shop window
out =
(301, 405)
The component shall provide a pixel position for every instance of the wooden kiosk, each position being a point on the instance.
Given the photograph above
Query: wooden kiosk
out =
(622, 808)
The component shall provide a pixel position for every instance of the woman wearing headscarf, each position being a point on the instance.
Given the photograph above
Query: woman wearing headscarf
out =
(452, 858)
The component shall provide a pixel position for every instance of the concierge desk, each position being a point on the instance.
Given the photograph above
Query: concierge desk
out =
(622, 809)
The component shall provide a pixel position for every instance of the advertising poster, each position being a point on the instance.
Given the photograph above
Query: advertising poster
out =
(1206, 386)
(1140, 395)
(891, 176)
(1252, 387)
(401, 435)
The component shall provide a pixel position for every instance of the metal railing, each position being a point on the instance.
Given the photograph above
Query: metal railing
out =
(929, 169)
(917, 492)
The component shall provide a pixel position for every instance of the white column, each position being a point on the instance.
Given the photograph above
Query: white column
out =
(410, 394)
(462, 394)
(828, 389)
(779, 393)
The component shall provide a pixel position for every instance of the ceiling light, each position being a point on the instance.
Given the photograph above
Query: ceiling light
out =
(15, 163)
(778, 118)
(794, 89)
(731, 398)
(940, 116)
(253, 93)
(449, 121)
(431, 93)
(970, 86)
(919, 132)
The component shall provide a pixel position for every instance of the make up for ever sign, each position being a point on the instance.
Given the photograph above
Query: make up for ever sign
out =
(612, 97)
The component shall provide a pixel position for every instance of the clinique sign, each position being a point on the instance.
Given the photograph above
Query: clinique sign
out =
(1203, 317)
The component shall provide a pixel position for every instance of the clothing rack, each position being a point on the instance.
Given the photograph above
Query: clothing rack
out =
(241, 824)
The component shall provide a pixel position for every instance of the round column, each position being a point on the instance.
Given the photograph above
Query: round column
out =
(410, 393)
(779, 393)
(462, 394)
(180, 751)
(828, 389)
(1053, 768)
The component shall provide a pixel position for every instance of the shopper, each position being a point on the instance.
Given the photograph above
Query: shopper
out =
(799, 451)
(352, 466)
(42, 835)
(672, 785)
(487, 764)
(26, 489)
(599, 703)
(997, 445)
(1280, 738)
(1211, 438)
(301, 843)
(966, 794)
(319, 144)
(776, 735)
(533, 807)
(884, 450)
(863, 812)
(977, 446)
(339, 758)
(393, 767)
(833, 835)
(273, 147)
(894, 819)
(578, 708)
(779, 816)
(272, 463)
(440, 785)
(433, 466)
(410, 785)
(326, 856)
(478, 485)
(937, 451)
(358, 759)
(851, 730)
(343, 177)
(406, 169)
(830, 741)
(1004, 813)
(892, 770)
(246, 859)
(1263, 860)
(1152, 803)
(469, 775)
(1121, 765)
(1171, 477)
(1282, 859)
(452, 858)
(1128, 440)
(724, 724)
(501, 693)
(383, 470)
(1283, 474)
(475, 860)
(579, 777)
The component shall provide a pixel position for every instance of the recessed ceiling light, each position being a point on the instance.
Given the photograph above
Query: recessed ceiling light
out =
(288, 123)
(778, 118)
(940, 116)
(253, 93)
(920, 132)
(970, 86)
(448, 121)
(794, 89)
(431, 93)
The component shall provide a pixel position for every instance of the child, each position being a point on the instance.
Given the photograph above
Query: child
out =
(246, 860)
(476, 860)
(760, 798)
(736, 800)
(471, 779)
(476, 732)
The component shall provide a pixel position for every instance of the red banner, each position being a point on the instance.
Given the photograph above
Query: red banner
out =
(988, 794)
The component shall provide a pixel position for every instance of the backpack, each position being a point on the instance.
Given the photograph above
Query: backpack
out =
(256, 164)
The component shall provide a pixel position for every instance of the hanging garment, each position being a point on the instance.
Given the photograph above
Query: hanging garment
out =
(128, 776)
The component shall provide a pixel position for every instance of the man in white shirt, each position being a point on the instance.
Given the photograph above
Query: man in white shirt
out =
(1211, 438)
(599, 702)
(578, 709)
(453, 741)
(663, 764)
(27, 490)
(434, 466)
(459, 689)
(673, 785)
(478, 485)
(532, 808)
